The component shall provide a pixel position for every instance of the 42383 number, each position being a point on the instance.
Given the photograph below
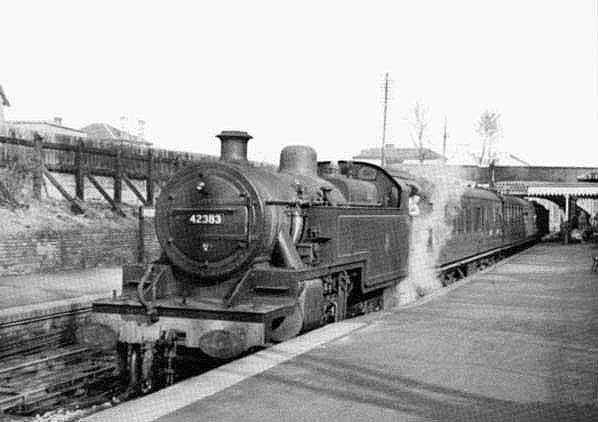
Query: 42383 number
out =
(205, 219)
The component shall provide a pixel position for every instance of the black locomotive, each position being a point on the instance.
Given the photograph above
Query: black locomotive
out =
(252, 256)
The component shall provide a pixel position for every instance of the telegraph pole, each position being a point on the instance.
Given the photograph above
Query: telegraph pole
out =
(382, 155)
(444, 136)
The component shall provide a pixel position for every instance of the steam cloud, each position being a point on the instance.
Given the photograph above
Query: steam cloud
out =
(437, 207)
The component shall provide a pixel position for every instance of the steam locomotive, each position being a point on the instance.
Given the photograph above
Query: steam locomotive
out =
(252, 256)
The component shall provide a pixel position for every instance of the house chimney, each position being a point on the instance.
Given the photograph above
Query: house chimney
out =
(123, 126)
(58, 121)
(140, 130)
(233, 145)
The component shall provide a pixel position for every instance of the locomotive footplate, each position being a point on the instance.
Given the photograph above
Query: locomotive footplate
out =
(217, 330)
(267, 309)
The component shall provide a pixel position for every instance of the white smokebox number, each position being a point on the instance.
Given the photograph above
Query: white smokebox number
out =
(206, 219)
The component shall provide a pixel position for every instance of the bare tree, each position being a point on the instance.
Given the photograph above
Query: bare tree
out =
(420, 124)
(488, 127)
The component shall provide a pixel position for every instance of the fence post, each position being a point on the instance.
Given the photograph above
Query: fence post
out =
(38, 170)
(79, 172)
(150, 178)
(118, 175)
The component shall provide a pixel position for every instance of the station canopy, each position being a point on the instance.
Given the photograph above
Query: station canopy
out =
(548, 189)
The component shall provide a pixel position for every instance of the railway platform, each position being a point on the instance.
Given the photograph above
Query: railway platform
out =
(27, 299)
(21, 290)
(516, 342)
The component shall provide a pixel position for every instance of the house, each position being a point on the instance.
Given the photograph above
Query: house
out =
(3, 103)
(106, 132)
(393, 155)
(48, 129)
(467, 154)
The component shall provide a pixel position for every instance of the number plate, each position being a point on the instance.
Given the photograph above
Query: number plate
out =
(205, 219)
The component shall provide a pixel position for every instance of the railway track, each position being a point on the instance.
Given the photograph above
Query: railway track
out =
(44, 330)
(41, 367)
(43, 380)
(48, 373)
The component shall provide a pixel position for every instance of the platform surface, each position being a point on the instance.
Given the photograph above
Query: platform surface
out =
(36, 289)
(518, 342)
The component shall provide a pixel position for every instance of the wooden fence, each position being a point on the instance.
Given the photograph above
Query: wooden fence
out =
(85, 159)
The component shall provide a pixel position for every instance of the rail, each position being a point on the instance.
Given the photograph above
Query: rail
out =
(36, 382)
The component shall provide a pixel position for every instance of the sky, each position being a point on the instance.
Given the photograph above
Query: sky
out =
(311, 72)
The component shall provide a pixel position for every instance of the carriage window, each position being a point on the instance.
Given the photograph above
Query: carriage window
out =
(395, 197)
(468, 220)
(461, 223)
(484, 218)
(482, 212)
(477, 218)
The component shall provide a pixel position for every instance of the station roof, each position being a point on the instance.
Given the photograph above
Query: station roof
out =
(520, 188)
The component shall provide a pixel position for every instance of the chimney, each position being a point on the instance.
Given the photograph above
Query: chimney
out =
(58, 121)
(233, 145)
